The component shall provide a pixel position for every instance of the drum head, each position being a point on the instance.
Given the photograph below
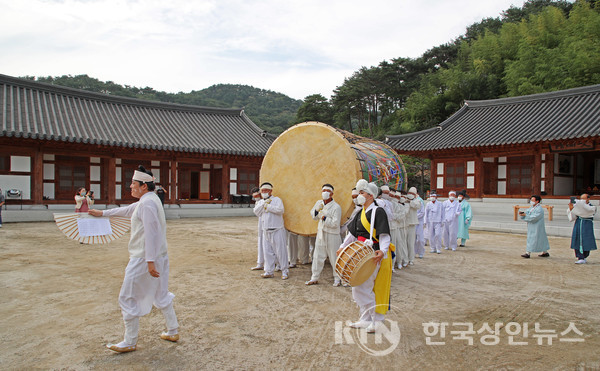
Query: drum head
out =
(299, 162)
(363, 271)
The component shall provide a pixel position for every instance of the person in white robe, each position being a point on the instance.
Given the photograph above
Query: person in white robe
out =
(434, 215)
(357, 208)
(419, 230)
(393, 222)
(146, 280)
(400, 216)
(412, 220)
(452, 211)
(260, 261)
(270, 210)
(328, 213)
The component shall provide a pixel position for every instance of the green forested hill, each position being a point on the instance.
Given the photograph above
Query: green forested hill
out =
(545, 45)
(271, 111)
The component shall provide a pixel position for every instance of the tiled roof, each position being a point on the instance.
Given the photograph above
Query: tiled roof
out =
(558, 115)
(30, 109)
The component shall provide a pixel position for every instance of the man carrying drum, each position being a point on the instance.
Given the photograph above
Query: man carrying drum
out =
(328, 213)
(372, 296)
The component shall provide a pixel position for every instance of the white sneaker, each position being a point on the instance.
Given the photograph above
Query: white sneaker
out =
(411, 263)
(372, 327)
(257, 268)
(360, 324)
(445, 248)
(439, 252)
(345, 284)
(453, 249)
(581, 261)
(432, 251)
(421, 256)
(336, 283)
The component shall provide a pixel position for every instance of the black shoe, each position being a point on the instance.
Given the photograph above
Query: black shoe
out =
(526, 256)
(461, 245)
(544, 255)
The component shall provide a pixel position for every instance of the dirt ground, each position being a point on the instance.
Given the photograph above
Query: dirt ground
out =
(59, 307)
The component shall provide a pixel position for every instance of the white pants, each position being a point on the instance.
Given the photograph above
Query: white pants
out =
(260, 262)
(325, 248)
(364, 296)
(410, 241)
(275, 250)
(419, 240)
(450, 233)
(401, 247)
(394, 239)
(292, 247)
(435, 236)
(140, 290)
(303, 249)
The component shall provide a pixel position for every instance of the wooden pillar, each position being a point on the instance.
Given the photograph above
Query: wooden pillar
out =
(37, 179)
(479, 179)
(173, 182)
(111, 179)
(225, 182)
(536, 176)
(433, 175)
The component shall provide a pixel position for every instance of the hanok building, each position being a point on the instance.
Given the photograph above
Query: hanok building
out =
(545, 144)
(54, 140)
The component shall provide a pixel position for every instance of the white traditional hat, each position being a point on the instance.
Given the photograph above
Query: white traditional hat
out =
(142, 177)
(372, 189)
(412, 190)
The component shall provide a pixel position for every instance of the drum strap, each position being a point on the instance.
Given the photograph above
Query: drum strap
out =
(369, 226)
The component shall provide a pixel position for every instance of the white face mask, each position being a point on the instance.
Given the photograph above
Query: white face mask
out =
(451, 198)
(460, 198)
(355, 200)
(264, 195)
(360, 200)
(385, 196)
(532, 202)
(433, 199)
(410, 196)
(402, 199)
(325, 195)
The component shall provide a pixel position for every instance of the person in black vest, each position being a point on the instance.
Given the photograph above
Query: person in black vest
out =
(359, 229)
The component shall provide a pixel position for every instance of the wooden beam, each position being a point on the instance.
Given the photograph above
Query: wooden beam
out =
(111, 181)
(37, 177)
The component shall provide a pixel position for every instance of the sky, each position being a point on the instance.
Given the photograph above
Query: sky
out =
(293, 47)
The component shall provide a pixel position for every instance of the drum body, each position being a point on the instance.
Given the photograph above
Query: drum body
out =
(354, 265)
(308, 155)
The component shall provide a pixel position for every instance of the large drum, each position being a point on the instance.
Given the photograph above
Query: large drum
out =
(355, 263)
(308, 155)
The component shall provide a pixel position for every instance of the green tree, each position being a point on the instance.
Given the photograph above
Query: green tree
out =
(315, 108)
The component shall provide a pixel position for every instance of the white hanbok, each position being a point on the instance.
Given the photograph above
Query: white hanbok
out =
(148, 243)
(270, 211)
(328, 237)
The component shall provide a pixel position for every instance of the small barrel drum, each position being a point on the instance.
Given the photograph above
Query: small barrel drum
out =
(355, 263)
(310, 154)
